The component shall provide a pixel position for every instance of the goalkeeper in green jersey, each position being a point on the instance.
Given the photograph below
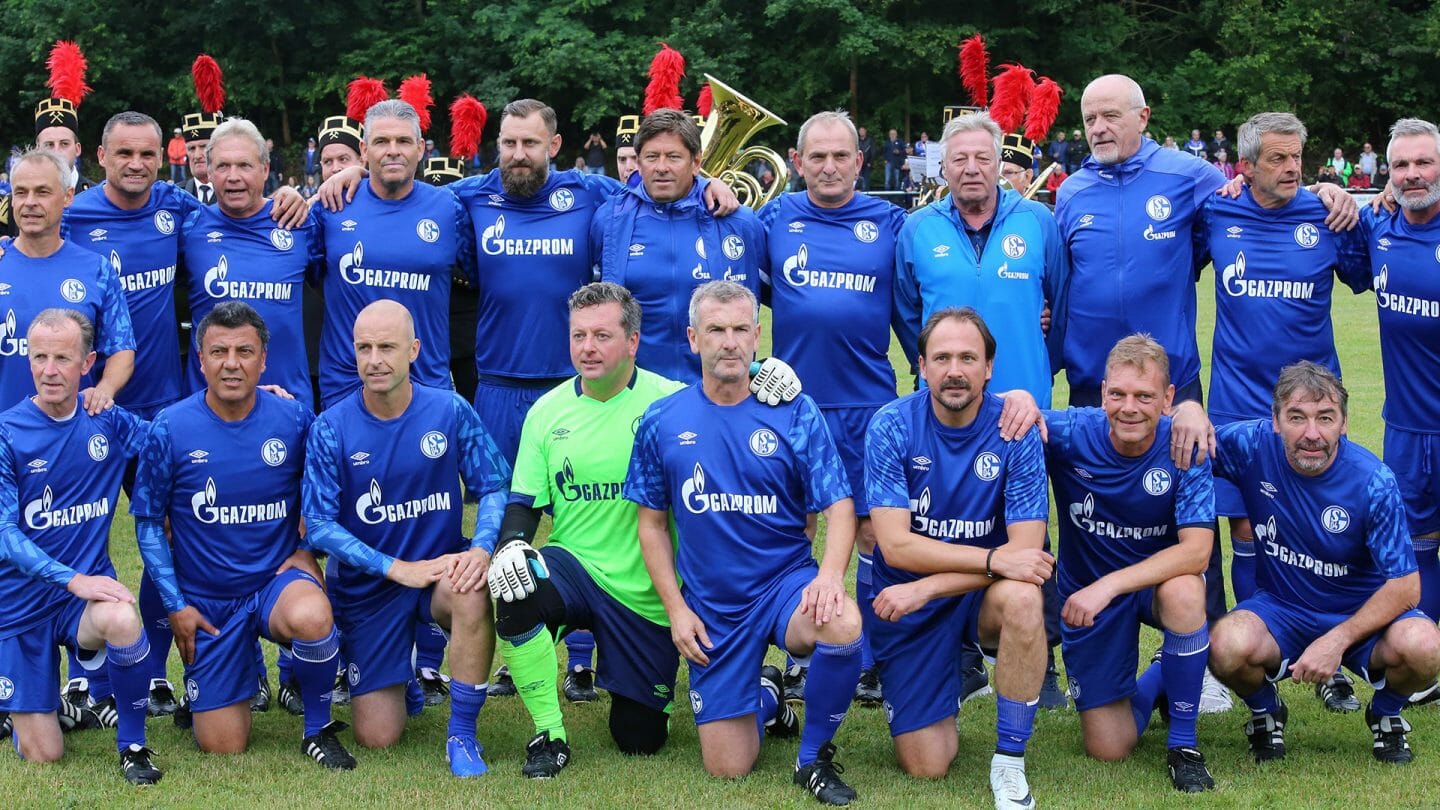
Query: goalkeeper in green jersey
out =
(574, 452)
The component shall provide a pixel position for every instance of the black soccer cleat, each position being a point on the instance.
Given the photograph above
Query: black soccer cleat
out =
(1390, 745)
(867, 690)
(106, 711)
(135, 763)
(289, 697)
(434, 684)
(325, 748)
(260, 701)
(162, 698)
(822, 778)
(7, 725)
(1338, 694)
(545, 758)
(1267, 734)
(794, 683)
(1051, 695)
(1429, 694)
(501, 684)
(785, 723)
(340, 695)
(76, 718)
(580, 685)
(77, 691)
(1187, 770)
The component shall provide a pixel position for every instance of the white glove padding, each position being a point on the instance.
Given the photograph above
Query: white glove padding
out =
(514, 571)
(773, 381)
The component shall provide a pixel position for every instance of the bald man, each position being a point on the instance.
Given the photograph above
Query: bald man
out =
(382, 496)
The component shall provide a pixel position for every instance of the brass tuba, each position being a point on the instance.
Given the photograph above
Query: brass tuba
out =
(734, 119)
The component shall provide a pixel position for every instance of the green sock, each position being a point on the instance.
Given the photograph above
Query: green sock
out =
(533, 667)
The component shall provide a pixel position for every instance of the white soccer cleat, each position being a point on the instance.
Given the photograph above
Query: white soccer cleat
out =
(1008, 783)
(1214, 696)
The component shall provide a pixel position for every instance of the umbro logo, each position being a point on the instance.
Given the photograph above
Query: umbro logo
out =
(496, 199)
(360, 457)
(797, 227)
(1086, 221)
(4, 288)
(560, 432)
(637, 250)
(941, 251)
(687, 438)
(1268, 489)
(921, 463)
(37, 465)
(98, 234)
(348, 225)
(213, 236)
(1083, 473)
(198, 456)
(1233, 232)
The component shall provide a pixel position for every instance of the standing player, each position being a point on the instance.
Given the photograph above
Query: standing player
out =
(60, 471)
(222, 468)
(1133, 551)
(832, 261)
(1275, 268)
(959, 514)
(739, 482)
(382, 495)
(1337, 581)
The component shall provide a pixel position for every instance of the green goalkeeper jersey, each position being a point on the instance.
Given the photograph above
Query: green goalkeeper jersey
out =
(574, 452)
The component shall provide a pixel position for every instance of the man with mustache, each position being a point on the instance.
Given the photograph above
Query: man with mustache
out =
(959, 513)
(1336, 578)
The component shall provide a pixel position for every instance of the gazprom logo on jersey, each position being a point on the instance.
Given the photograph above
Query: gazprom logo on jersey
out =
(145, 279)
(698, 501)
(1083, 516)
(203, 505)
(799, 274)
(946, 529)
(571, 491)
(1233, 279)
(11, 344)
(371, 508)
(1395, 302)
(494, 243)
(219, 285)
(353, 272)
(1268, 538)
(39, 514)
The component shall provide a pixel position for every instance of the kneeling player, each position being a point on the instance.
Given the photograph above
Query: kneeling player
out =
(1336, 578)
(741, 478)
(224, 467)
(960, 515)
(60, 471)
(1134, 544)
(382, 495)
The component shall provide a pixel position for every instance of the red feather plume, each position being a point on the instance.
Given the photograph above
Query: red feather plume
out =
(364, 93)
(467, 126)
(415, 91)
(666, 71)
(705, 102)
(67, 72)
(209, 83)
(1013, 86)
(974, 69)
(1044, 109)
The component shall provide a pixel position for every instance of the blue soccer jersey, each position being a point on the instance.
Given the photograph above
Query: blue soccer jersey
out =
(231, 491)
(830, 285)
(739, 481)
(266, 266)
(1324, 543)
(143, 246)
(1134, 257)
(960, 485)
(70, 278)
(379, 490)
(532, 253)
(661, 252)
(1116, 511)
(402, 250)
(1406, 279)
(58, 485)
(1274, 273)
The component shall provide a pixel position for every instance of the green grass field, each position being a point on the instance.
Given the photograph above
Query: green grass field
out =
(1328, 765)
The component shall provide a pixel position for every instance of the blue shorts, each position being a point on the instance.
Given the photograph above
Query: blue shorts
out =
(503, 407)
(1295, 628)
(637, 659)
(379, 643)
(847, 429)
(1100, 660)
(30, 660)
(919, 659)
(729, 686)
(225, 668)
(1415, 460)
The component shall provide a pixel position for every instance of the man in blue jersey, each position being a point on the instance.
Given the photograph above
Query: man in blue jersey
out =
(235, 251)
(223, 467)
(1133, 550)
(60, 471)
(831, 259)
(42, 270)
(739, 479)
(1336, 579)
(1275, 267)
(959, 513)
(659, 240)
(382, 495)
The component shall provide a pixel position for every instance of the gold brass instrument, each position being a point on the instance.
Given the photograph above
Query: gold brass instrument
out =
(734, 119)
